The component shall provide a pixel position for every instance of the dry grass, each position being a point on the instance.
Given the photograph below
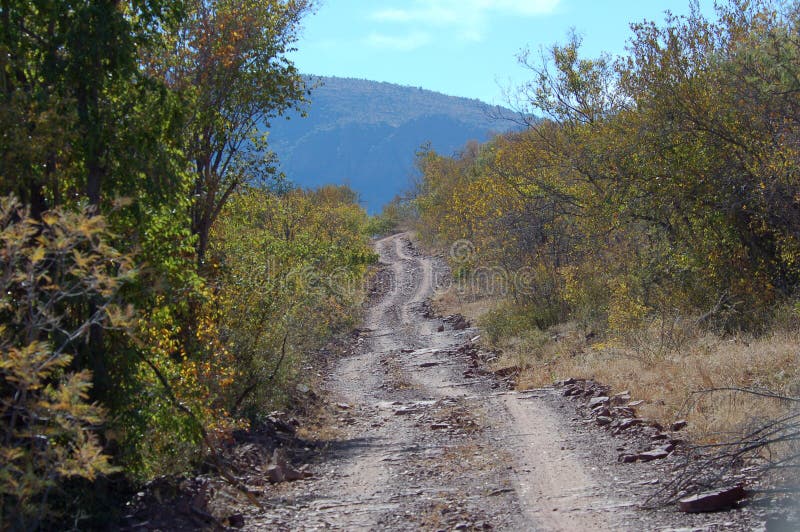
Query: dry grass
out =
(670, 380)
(667, 364)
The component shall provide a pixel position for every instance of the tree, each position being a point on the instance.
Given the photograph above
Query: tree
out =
(72, 92)
(229, 61)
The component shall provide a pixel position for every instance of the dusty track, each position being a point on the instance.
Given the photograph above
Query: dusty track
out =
(423, 447)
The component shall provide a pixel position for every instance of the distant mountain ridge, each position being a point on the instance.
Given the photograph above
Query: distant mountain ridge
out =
(365, 134)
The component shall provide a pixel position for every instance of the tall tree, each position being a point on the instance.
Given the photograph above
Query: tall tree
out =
(229, 60)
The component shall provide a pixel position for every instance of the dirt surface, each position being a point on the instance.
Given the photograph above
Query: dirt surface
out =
(424, 440)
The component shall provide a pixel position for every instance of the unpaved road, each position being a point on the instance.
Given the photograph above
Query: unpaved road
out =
(421, 446)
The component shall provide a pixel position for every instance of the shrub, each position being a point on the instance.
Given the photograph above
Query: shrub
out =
(50, 272)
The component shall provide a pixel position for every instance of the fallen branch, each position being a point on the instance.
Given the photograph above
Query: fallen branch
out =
(752, 391)
(769, 450)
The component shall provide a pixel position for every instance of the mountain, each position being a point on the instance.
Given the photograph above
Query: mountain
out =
(366, 133)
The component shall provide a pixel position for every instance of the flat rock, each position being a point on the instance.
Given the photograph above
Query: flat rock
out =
(655, 454)
(628, 423)
(597, 401)
(713, 501)
(603, 420)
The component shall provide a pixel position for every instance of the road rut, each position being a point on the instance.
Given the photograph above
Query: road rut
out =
(425, 447)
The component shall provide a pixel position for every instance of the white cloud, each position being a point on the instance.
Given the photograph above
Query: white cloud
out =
(516, 7)
(467, 18)
(403, 43)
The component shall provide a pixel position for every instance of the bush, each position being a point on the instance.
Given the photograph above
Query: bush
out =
(50, 271)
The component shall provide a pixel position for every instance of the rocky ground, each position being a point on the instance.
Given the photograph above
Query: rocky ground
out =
(417, 434)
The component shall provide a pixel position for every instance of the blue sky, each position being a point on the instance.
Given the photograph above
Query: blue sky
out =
(461, 47)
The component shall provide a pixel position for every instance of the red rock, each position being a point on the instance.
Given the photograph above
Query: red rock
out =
(713, 501)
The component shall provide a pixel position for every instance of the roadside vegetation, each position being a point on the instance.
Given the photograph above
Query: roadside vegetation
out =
(644, 228)
(161, 286)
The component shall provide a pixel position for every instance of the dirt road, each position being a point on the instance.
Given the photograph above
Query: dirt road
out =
(426, 444)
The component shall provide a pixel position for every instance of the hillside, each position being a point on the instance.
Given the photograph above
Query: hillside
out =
(365, 134)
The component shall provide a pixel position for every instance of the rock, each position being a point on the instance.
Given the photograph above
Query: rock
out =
(440, 426)
(634, 404)
(621, 398)
(603, 420)
(627, 458)
(460, 323)
(343, 406)
(678, 425)
(282, 423)
(302, 388)
(669, 447)
(596, 401)
(281, 471)
(275, 474)
(602, 410)
(507, 372)
(713, 501)
(440, 328)
(655, 454)
(628, 423)
(285, 473)
(623, 411)
(236, 521)
(428, 364)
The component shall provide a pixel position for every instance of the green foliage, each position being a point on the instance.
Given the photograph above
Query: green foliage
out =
(289, 270)
(130, 125)
(664, 181)
(228, 61)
